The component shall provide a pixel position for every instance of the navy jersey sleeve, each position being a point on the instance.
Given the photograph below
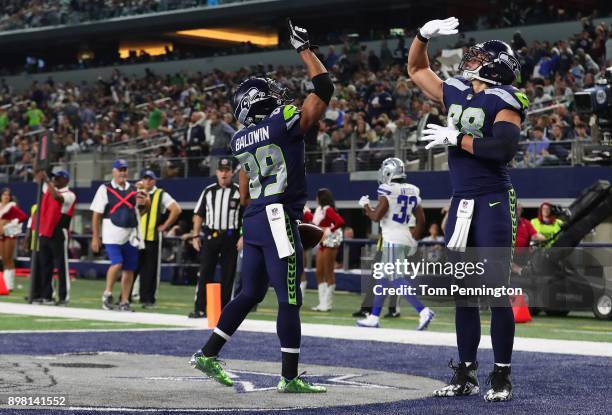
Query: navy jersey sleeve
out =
(289, 117)
(507, 97)
(453, 90)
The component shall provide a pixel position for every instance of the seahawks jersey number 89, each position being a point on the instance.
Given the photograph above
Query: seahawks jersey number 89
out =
(272, 155)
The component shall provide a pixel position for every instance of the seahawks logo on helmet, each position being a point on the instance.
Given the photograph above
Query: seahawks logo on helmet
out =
(252, 96)
(492, 62)
(511, 61)
(256, 98)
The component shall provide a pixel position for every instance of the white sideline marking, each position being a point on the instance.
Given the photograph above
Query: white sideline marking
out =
(426, 338)
(180, 410)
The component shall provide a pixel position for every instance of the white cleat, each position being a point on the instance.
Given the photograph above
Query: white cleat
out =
(370, 321)
(425, 317)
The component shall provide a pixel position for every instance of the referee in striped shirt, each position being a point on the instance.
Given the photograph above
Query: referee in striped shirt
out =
(218, 215)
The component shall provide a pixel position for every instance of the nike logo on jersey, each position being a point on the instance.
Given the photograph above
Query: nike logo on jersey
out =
(493, 204)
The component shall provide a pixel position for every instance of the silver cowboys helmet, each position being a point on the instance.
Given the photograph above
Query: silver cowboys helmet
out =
(391, 168)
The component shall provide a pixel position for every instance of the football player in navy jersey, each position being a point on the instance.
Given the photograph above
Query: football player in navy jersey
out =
(270, 149)
(482, 135)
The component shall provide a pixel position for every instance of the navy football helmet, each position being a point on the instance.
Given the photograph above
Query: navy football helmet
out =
(495, 60)
(256, 98)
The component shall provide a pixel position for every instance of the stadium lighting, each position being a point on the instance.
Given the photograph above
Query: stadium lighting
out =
(232, 35)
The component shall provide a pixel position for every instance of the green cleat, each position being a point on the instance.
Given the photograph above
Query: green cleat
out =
(210, 366)
(298, 385)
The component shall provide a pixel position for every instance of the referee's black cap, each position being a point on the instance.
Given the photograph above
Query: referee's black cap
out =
(225, 163)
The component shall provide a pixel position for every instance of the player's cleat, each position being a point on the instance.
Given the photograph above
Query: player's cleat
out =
(392, 314)
(370, 321)
(62, 303)
(197, 314)
(425, 317)
(363, 312)
(210, 366)
(463, 383)
(125, 307)
(298, 385)
(46, 301)
(501, 385)
(107, 301)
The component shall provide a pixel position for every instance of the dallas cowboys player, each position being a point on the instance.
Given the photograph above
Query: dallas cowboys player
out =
(482, 135)
(270, 150)
(401, 218)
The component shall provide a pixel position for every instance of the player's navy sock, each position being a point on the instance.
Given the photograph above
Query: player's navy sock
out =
(467, 322)
(412, 299)
(290, 365)
(502, 333)
(288, 326)
(289, 332)
(214, 344)
(376, 311)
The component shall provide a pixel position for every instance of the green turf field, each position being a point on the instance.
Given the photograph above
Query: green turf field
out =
(179, 300)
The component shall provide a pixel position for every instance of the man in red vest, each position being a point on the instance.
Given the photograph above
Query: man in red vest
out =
(57, 208)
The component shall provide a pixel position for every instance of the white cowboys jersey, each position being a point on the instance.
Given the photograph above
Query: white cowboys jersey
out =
(403, 199)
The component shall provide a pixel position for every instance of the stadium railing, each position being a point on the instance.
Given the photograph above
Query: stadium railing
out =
(142, 156)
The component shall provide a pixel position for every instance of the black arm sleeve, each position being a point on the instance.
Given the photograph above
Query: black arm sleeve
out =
(323, 87)
(502, 146)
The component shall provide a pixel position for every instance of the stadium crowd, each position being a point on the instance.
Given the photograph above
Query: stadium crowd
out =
(20, 14)
(375, 105)
(23, 14)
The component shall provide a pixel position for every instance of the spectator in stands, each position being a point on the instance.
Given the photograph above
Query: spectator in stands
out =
(218, 135)
(537, 153)
(195, 143)
(546, 223)
(557, 148)
(34, 116)
(517, 41)
(380, 101)
(331, 58)
(22, 170)
(4, 120)
(608, 57)
(156, 117)
(580, 132)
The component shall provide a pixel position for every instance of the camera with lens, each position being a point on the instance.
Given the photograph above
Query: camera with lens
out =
(598, 100)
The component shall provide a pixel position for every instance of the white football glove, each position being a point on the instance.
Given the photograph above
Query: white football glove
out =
(365, 200)
(438, 135)
(298, 36)
(435, 28)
